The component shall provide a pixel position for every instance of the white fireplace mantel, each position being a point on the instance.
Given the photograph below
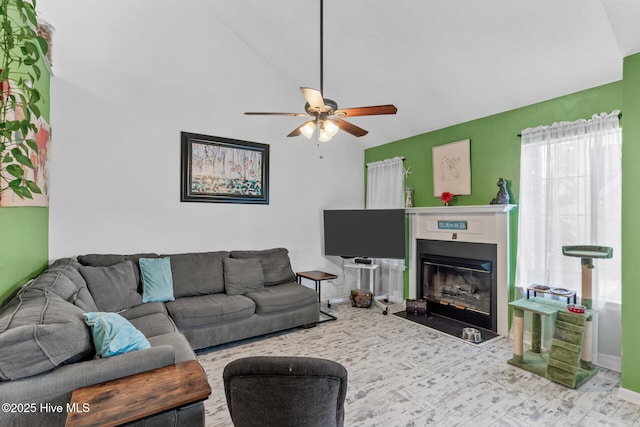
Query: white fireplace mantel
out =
(450, 210)
(478, 223)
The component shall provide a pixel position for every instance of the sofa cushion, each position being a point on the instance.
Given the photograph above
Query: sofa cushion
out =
(143, 310)
(40, 332)
(207, 310)
(157, 282)
(114, 287)
(113, 334)
(282, 297)
(197, 273)
(105, 260)
(242, 275)
(52, 282)
(151, 319)
(179, 342)
(57, 283)
(69, 267)
(275, 264)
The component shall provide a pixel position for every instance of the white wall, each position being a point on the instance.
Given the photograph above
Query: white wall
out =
(126, 82)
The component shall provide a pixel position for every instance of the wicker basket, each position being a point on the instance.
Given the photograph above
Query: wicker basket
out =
(361, 299)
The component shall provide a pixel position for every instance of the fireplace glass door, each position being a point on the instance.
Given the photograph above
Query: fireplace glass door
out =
(459, 288)
(459, 282)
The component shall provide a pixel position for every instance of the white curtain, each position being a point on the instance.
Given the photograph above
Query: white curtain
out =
(570, 194)
(385, 190)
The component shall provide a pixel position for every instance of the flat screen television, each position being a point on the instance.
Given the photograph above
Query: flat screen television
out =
(368, 233)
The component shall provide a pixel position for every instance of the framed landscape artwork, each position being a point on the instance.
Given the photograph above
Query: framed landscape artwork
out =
(452, 168)
(223, 170)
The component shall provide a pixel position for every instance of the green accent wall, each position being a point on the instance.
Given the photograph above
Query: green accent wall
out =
(495, 149)
(495, 144)
(630, 224)
(23, 246)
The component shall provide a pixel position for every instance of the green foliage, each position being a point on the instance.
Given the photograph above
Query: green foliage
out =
(21, 49)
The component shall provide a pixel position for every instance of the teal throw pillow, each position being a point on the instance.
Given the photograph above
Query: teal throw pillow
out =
(113, 334)
(157, 281)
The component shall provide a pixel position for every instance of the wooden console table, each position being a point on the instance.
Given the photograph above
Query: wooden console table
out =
(138, 396)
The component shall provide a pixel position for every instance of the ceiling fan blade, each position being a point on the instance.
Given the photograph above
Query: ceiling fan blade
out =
(298, 131)
(373, 110)
(258, 113)
(314, 98)
(349, 127)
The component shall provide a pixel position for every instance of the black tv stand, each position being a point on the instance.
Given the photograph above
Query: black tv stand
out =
(363, 260)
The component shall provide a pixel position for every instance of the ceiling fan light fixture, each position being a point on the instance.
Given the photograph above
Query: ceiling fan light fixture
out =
(330, 128)
(307, 130)
(323, 135)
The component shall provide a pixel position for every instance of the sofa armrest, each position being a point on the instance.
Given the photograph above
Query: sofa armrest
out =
(49, 386)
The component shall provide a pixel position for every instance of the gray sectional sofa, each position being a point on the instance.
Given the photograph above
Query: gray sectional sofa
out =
(46, 348)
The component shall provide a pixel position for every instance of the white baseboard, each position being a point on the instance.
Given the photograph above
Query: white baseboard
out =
(396, 299)
(610, 362)
(338, 300)
(629, 396)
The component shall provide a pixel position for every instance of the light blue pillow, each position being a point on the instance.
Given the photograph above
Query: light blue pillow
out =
(113, 334)
(157, 281)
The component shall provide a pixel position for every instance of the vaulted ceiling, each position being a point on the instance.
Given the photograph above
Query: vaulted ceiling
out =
(440, 62)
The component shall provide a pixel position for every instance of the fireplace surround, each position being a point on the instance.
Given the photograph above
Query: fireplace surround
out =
(452, 228)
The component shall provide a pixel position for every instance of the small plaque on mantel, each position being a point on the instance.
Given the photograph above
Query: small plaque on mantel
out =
(452, 225)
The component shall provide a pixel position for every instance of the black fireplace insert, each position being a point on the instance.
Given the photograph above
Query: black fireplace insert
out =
(458, 280)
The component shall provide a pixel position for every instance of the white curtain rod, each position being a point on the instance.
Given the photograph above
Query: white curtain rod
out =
(619, 117)
(401, 157)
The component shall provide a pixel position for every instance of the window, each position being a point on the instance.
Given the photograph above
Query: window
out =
(570, 194)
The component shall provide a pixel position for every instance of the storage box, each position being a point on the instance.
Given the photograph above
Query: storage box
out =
(417, 306)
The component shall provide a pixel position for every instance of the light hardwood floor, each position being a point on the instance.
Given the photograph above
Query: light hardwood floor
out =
(405, 374)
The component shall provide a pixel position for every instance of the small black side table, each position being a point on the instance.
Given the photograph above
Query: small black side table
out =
(317, 277)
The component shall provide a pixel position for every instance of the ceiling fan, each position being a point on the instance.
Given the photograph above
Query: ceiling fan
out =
(324, 113)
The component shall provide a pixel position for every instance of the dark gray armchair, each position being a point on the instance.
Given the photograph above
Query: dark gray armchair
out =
(285, 391)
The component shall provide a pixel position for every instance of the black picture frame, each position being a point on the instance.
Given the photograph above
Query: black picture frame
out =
(223, 170)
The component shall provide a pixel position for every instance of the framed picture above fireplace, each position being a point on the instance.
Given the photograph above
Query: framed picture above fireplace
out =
(223, 170)
(452, 168)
